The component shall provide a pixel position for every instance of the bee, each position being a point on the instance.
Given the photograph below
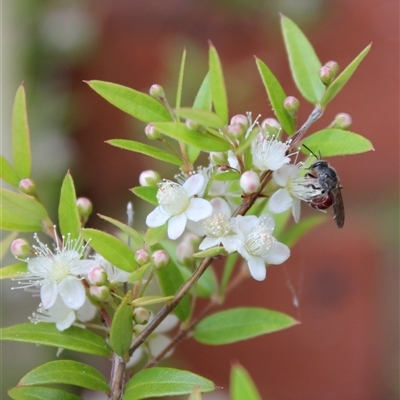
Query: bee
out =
(327, 181)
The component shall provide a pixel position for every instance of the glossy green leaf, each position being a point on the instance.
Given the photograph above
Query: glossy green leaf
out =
(6, 244)
(14, 270)
(159, 382)
(138, 274)
(304, 63)
(204, 140)
(155, 235)
(241, 385)
(8, 173)
(21, 143)
(276, 96)
(40, 393)
(180, 84)
(146, 193)
(142, 148)
(203, 98)
(137, 239)
(336, 142)
(67, 372)
(68, 215)
(336, 86)
(202, 117)
(111, 248)
(218, 91)
(238, 324)
(137, 104)
(73, 338)
(121, 328)
(20, 212)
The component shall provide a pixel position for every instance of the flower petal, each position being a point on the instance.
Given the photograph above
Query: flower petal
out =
(257, 268)
(282, 174)
(219, 205)
(198, 209)
(296, 209)
(176, 226)
(67, 321)
(194, 185)
(280, 201)
(157, 218)
(48, 294)
(72, 292)
(209, 242)
(279, 254)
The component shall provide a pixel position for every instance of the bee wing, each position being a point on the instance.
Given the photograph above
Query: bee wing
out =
(338, 207)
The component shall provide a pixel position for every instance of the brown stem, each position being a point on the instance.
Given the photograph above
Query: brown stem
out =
(117, 378)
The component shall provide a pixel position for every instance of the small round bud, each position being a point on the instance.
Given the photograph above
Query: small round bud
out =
(271, 126)
(218, 158)
(97, 276)
(20, 248)
(160, 259)
(236, 131)
(326, 75)
(99, 293)
(141, 315)
(186, 248)
(291, 104)
(249, 181)
(151, 132)
(156, 91)
(149, 178)
(342, 121)
(84, 206)
(27, 186)
(241, 120)
(142, 257)
(334, 66)
(192, 125)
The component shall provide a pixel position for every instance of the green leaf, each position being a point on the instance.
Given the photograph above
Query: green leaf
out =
(202, 117)
(159, 382)
(148, 300)
(14, 270)
(241, 385)
(155, 235)
(139, 105)
(336, 86)
(203, 98)
(68, 215)
(73, 338)
(137, 239)
(20, 212)
(204, 140)
(246, 143)
(21, 143)
(238, 324)
(142, 148)
(218, 91)
(67, 372)
(146, 193)
(111, 248)
(121, 328)
(40, 393)
(6, 244)
(138, 274)
(211, 252)
(336, 142)
(276, 96)
(180, 84)
(227, 176)
(303, 61)
(8, 173)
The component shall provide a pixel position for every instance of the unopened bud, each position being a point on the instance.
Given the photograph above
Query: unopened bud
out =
(326, 75)
(84, 206)
(142, 256)
(271, 126)
(291, 104)
(151, 132)
(192, 125)
(334, 66)
(342, 121)
(99, 293)
(160, 259)
(249, 181)
(186, 248)
(20, 248)
(218, 158)
(141, 315)
(157, 92)
(149, 178)
(27, 186)
(241, 120)
(97, 276)
(236, 131)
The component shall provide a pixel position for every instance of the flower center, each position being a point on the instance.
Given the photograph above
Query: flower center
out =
(217, 225)
(172, 197)
(260, 240)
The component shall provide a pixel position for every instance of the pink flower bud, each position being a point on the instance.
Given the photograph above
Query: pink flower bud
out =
(84, 206)
(291, 104)
(142, 257)
(20, 248)
(97, 276)
(27, 186)
(151, 132)
(218, 158)
(271, 126)
(184, 253)
(149, 178)
(334, 66)
(157, 91)
(99, 293)
(249, 182)
(342, 121)
(192, 125)
(236, 131)
(240, 119)
(160, 259)
(141, 315)
(326, 75)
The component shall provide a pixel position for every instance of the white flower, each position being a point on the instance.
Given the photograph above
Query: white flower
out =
(58, 273)
(269, 153)
(177, 205)
(295, 187)
(255, 243)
